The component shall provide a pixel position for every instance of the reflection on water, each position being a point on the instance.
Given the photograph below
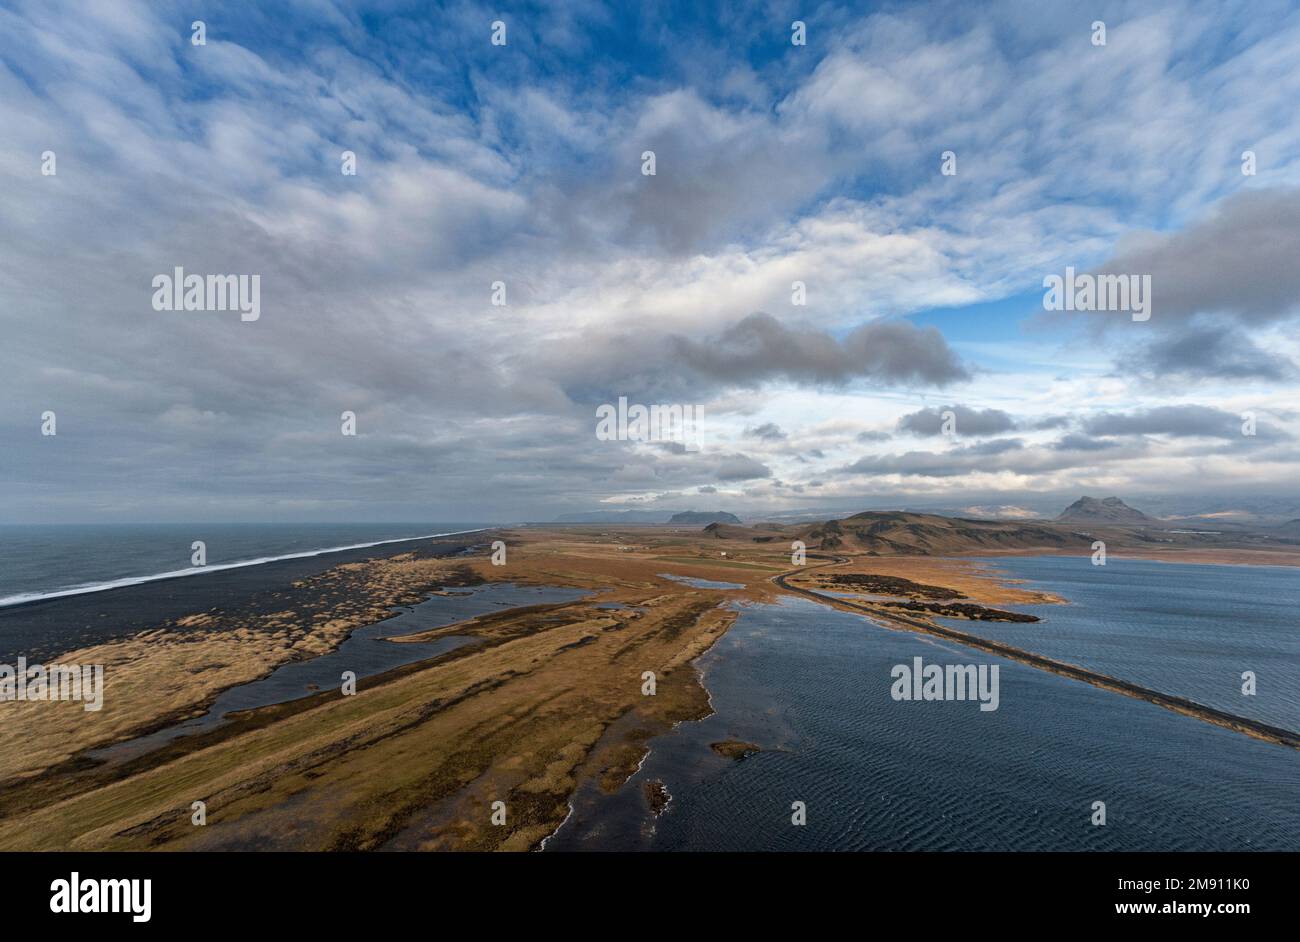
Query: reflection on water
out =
(701, 583)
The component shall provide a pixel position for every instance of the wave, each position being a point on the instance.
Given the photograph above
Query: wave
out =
(25, 597)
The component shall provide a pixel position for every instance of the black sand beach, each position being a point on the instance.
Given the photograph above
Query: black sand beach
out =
(41, 630)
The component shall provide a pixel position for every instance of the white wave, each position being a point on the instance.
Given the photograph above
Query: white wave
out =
(22, 597)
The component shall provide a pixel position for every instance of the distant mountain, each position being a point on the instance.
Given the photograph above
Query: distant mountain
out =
(905, 533)
(698, 516)
(890, 533)
(614, 516)
(1108, 510)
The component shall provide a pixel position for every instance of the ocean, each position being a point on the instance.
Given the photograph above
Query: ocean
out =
(63, 588)
(50, 561)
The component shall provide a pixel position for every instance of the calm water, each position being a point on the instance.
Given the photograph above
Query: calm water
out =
(1189, 630)
(44, 561)
(811, 686)
(701, 583)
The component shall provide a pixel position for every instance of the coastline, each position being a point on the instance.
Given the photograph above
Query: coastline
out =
(548, 701)
(175, 670)
(126, 582)
(524, 658)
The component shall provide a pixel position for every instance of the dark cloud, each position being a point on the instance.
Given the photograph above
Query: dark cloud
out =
(759, 348)
(1185, 421)
(1216, 350)
(967, 422)
(941, 464)
(1005, 454)
(1240, 261)
(740, 467)
(1075, 442)
(768, 431)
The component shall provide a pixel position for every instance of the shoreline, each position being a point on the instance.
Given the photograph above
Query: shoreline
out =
(43, 630)
(127, 582)
(527, 659)
(546, 704)
(174, 669)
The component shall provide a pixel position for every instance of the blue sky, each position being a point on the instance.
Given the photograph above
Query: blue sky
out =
(522, 164)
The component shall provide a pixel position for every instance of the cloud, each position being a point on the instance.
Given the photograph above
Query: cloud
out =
(1076, 442)
(967, 421)
(950, 463)
(819, 168)
(738, 467)
(760, 347)
(1209, 350)
(768, 431)
(1239, 261)
(1181, 421)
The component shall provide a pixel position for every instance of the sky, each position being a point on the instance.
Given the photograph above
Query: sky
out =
(521, 164)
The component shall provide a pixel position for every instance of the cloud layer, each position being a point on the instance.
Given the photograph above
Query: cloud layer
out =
(521, 165)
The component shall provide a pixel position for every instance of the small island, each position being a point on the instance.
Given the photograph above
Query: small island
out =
(734, 748)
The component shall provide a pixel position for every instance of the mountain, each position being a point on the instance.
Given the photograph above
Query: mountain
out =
(891, 533)
(697, 516)
(1292, 528)
(1109, 510)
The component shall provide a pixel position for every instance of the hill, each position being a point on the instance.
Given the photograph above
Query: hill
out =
(1110, 510)
(886, 533)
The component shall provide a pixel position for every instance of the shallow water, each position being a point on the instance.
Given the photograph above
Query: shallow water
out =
(811, 686)
(701, 583)
(365, 652)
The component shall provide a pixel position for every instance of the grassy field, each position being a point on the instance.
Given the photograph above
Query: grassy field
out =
(718, 561)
